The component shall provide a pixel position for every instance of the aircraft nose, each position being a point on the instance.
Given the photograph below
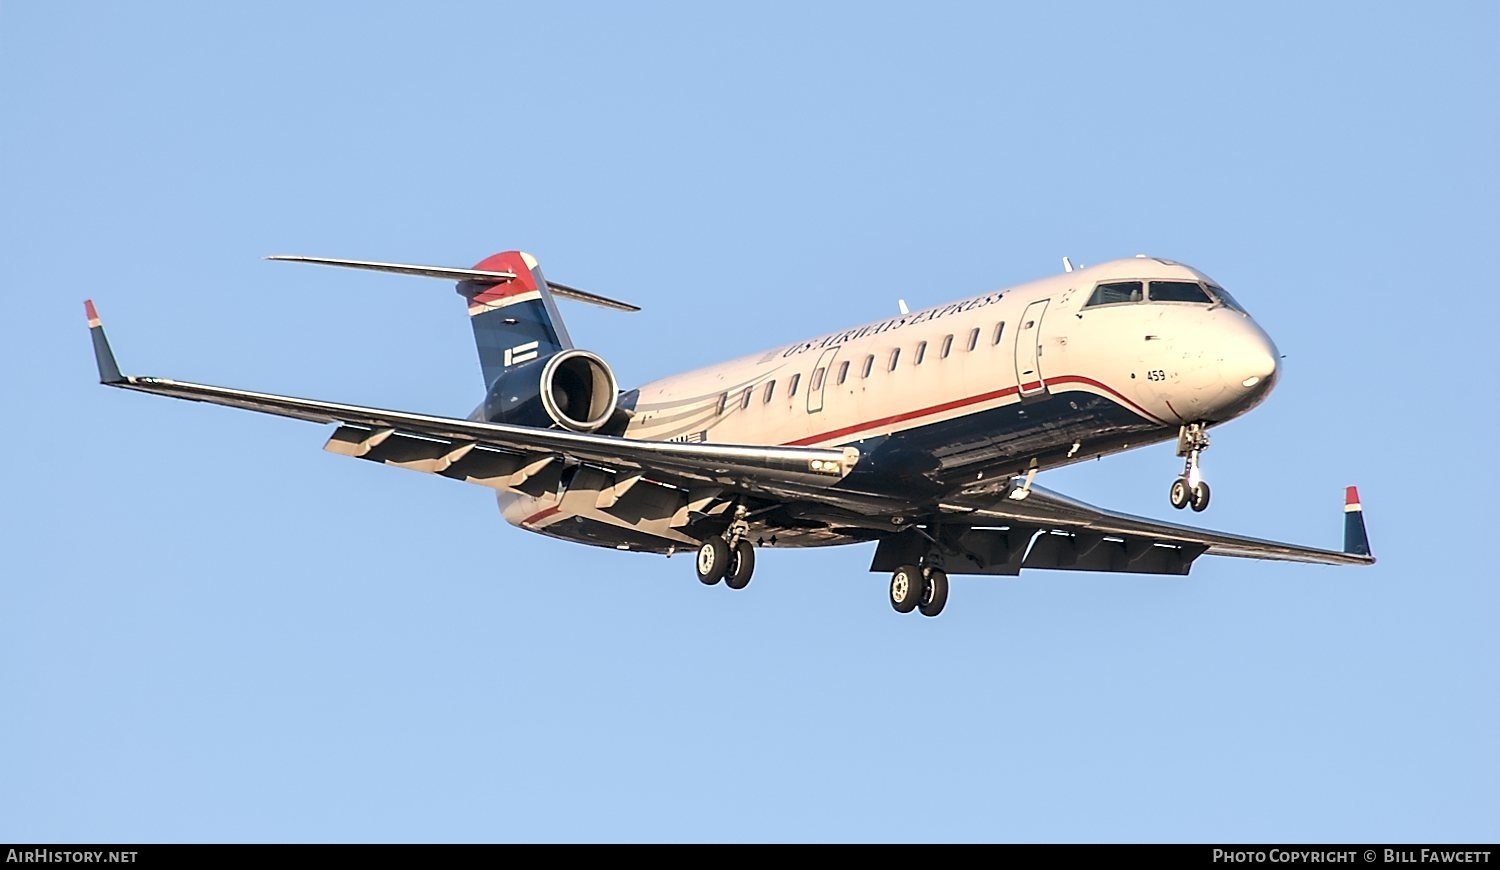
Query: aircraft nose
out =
(1249, 365)
(1254, 357)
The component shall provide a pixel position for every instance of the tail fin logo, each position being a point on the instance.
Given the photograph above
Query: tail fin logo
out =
(520, 353)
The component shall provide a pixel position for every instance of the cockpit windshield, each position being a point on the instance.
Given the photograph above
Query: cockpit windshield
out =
(1192, 292)
(1115, 292)
(1222, 295)
(1178, 291)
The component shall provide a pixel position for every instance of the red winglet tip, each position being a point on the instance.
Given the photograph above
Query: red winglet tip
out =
(1351, 495)
(88, 308)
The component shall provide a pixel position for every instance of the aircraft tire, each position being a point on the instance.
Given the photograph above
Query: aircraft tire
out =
(1181, 493)
(741, 565)
(935, 593)
(713, 560)
(1200, 497)
(906, 588)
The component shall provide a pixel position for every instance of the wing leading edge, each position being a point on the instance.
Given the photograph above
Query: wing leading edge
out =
(750, 467)
(1109, 535)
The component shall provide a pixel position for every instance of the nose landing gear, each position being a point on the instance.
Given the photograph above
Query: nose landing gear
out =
(1190, 488)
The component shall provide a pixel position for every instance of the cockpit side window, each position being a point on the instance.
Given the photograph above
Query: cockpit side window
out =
(1179, 291)
(1116, 292)
(1222, 295)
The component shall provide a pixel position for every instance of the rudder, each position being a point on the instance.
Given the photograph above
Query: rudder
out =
(516, 320)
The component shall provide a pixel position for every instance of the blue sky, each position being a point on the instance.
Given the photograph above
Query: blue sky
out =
(212, 630)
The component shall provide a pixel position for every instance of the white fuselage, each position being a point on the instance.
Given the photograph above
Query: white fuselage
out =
(1203, 355)
(984, 387)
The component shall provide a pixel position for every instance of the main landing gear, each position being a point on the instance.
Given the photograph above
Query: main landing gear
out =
(1190, 488)
(730, 557)
(922, 588)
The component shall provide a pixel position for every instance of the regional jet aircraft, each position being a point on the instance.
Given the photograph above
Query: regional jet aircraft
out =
(923, 432)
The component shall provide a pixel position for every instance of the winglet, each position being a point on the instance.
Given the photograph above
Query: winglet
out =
(1356, 541)
(109, 370)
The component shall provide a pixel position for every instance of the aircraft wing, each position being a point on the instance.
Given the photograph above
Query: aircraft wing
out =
(1046, 529)
(501, 454)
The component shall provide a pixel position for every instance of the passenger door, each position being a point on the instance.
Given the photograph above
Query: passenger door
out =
(1029, 350)
(821, 373)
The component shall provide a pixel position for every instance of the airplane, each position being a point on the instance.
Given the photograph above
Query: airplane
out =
(922, 433)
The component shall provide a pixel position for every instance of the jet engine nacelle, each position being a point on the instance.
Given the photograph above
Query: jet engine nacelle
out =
(573, 389)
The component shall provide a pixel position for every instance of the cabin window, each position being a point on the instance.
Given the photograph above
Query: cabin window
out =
(869, 365)
(745, 400)
(1114, 293)
(1178, 291)
(770, 390)
(999, 331)
(791, 389)
(973, 338)
(817, 380)
(843, 372)
(895, 358)
(723, 403)
(947, 346)
(921, 353)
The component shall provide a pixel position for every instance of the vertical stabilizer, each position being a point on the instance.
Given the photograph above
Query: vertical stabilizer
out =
(515, 320)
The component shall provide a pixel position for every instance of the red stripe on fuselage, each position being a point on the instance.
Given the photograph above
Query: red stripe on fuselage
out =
(971, 400)
(902, 418)
(1080, 379)
(540, 515)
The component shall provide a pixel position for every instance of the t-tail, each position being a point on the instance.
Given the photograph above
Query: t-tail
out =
(511, 305)
(532, 373)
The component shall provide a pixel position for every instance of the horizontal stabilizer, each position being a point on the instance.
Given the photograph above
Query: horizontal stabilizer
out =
(456, 274)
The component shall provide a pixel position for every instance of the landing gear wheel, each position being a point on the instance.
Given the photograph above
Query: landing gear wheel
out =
(741, 565)
(1200, 496)
(907, 588)
(936, 592)
(1189, 489)
(713, 561)
(1181, 494)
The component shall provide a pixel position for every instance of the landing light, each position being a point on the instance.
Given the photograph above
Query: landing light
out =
(1251, 381)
